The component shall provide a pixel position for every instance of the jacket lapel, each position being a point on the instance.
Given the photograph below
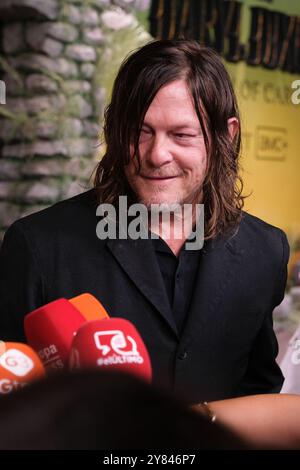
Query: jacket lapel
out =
(137, 258)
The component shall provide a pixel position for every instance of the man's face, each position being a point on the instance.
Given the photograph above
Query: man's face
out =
(172, 150)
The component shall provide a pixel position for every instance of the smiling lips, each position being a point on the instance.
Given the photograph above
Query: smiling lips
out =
(159, 178)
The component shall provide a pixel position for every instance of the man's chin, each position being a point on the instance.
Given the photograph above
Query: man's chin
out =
(161, 204)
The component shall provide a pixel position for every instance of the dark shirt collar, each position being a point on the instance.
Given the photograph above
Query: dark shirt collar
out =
(161, 245)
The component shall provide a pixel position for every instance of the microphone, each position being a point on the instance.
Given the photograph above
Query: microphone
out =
(19, 365)
(113, 344)
(50, 330)
(89, 307)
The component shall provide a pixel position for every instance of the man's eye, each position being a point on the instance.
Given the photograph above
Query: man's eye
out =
(184, 135)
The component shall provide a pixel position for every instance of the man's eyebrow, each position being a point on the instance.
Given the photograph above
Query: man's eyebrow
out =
(189, 125)
(184, 125)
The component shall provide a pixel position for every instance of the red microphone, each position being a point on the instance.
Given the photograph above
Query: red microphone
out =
(50, 330)
(111, 344)
(19, 365)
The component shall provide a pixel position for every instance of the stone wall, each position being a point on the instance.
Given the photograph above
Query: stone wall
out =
(57, 59)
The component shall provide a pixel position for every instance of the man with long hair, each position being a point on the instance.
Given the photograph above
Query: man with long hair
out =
(172, 133)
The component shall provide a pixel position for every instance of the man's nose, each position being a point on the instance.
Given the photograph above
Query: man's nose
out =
(159, 151)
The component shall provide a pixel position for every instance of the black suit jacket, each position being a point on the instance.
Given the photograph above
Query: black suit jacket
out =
(227, 347)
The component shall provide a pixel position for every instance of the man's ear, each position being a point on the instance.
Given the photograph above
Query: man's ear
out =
(233, 127)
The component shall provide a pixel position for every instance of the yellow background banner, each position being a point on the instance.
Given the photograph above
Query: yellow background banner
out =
(271, 133)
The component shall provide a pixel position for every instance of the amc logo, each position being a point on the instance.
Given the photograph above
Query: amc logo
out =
(271, 143)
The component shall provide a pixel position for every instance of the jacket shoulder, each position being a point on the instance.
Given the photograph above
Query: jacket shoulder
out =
(63, 215)
(252, 226)
(262, 240)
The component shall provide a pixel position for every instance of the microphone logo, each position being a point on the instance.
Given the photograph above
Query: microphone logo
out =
(16, 362)
(115, 340)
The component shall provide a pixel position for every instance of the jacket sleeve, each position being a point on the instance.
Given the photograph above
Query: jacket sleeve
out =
(21, 284)
(263, 374)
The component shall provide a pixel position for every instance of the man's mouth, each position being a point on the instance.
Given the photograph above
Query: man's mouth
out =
(159, 178)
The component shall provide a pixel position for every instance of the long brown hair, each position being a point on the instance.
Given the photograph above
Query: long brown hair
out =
(140, 77)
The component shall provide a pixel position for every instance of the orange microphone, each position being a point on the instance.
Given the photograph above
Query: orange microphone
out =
(89, 307)
(19, 365)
